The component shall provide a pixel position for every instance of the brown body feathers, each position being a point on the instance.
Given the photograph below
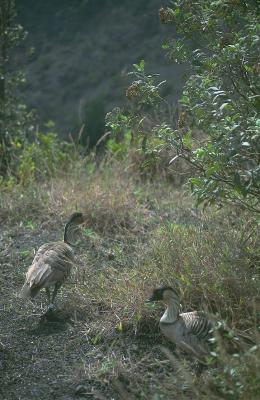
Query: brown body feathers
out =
(51, 264)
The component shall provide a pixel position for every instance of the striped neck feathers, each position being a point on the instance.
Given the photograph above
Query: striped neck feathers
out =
(75, 219)
(68, 231)
(171, 314)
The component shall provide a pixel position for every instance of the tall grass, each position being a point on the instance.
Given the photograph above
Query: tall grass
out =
(138, 235)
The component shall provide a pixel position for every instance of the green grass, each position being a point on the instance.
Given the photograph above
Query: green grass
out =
(138, 235)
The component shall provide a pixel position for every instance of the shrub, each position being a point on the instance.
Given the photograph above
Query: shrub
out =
(219, 41)
(218, 128)
(15, 120)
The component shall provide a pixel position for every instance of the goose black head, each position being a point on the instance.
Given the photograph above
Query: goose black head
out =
(76, 218)
(71, 227)
(160, 294)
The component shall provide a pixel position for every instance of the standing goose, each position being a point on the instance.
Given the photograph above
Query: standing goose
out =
(51, 264)
(189, 331)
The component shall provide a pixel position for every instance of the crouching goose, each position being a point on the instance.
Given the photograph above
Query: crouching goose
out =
(51, 264)
(189, 331)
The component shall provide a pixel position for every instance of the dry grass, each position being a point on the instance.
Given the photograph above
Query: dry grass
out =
(139, 235)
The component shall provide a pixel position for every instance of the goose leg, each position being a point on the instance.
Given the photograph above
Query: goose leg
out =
(55, 291)
(50, 307)
(48, 294)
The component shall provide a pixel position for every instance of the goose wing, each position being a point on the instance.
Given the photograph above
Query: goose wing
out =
(51, 264)
(196, 328)
(197, 324)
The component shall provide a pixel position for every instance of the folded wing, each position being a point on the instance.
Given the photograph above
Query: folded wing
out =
(51, 265)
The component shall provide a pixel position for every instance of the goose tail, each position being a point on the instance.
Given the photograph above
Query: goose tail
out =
(25, 292)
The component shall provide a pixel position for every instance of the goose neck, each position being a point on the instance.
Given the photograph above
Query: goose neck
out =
(171, 313)
(66, 234)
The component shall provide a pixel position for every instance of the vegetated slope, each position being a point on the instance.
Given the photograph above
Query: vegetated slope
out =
(106, 343)
(82, 53)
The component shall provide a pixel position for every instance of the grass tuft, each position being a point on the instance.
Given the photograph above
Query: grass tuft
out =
(139, 235)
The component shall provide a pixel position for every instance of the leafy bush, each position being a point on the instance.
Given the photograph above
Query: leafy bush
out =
(24, 155)
(132, 129)
(43, 157)
(15, 120)
(218, 128)
(40, 158)
(220, 42)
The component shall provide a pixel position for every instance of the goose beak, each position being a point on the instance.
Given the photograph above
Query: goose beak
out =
(151, 299)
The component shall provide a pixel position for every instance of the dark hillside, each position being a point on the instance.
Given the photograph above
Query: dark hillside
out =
(170, 205)
(78, 68)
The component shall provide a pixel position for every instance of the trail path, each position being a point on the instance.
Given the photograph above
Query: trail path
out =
(38, 359)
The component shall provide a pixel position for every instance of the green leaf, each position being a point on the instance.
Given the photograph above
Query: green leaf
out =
(187, 140)
(165, 45)
(224, 106)
(140, 67)
(199, 153)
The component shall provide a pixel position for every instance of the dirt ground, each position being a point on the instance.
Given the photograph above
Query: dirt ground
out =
(37, 355)
(48, 358)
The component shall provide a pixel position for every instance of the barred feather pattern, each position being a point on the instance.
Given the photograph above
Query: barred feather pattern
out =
(71, 232)
(190, 331)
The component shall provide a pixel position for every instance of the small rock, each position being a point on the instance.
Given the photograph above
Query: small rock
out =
(110, 255)
(80, 389)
